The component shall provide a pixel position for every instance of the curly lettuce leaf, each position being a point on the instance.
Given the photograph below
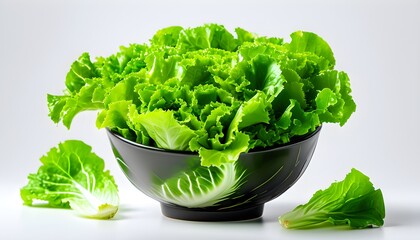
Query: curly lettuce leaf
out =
(73, 176)
(244, 35)
(65, 108)
(80, 72)
(254, 111)
(116, 118)
(165, 130)
(166, 36)
(216, 143)
(297, 120)
(261, 73)
(304, 42)
(88, 83)
(207, 36)
(161, 68)
(211, 157)
(293, 89)
(83, 90)
(221, 145)
(130, 59)
(353, 202)
(333, 100)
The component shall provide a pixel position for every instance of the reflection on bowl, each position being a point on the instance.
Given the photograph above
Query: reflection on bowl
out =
(234, 191)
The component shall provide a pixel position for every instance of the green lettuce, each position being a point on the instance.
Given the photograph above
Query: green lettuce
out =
(72, 176)
(165, 130)
(210, 91)
(353, 202)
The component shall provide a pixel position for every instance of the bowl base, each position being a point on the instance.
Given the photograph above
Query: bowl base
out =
(195, 214)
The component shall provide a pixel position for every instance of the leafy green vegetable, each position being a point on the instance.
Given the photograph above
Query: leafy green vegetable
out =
(165, 130)
(353, 202)
(73, 176)
(206, 90)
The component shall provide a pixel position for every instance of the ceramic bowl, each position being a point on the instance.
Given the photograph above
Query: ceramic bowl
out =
(235, 191)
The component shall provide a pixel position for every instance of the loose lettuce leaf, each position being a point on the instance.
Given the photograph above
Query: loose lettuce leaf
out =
(353, 202)
(73, 176)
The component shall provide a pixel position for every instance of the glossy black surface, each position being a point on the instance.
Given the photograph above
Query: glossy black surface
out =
(269, 173)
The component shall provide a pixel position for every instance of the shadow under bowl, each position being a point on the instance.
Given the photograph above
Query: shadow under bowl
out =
(231, 192)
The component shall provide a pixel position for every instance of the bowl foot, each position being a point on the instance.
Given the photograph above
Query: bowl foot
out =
(195, 214)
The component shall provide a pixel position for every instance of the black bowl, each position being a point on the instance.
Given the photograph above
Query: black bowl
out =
(237, 191)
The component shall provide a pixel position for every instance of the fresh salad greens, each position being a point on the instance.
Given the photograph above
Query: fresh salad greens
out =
(71, 176)
(205, 90)
(353, 202)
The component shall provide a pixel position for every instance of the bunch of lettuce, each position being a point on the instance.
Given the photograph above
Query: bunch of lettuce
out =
(205, 90)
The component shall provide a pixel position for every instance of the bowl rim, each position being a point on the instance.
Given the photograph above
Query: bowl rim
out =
(297, 140)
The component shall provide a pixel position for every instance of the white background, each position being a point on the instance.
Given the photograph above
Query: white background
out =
(376, 42)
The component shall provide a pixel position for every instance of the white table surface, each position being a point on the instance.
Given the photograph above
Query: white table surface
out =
(140, 218)
(376, 42)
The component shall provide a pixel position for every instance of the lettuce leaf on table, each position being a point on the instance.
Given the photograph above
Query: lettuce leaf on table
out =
(353, 202)
(72, 176)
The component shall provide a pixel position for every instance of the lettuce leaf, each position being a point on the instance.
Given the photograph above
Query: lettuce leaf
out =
(71, 176)
(80, 72)
(82, 90)
(353, 202)
(212, 157)
(304, 42)
(165, 130)
(207, 36)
